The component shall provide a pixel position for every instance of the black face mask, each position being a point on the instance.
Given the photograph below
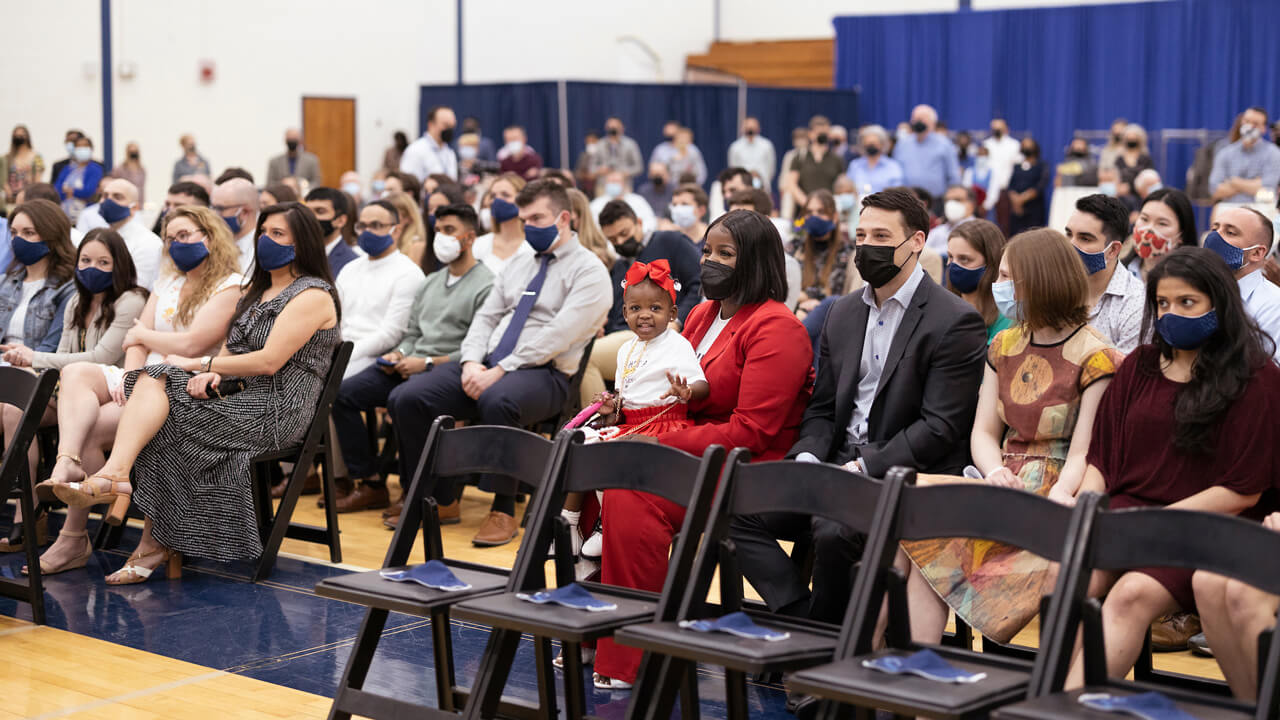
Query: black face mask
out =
(749, 132)
(871, 150)
(1131, 144)
(19, 140)
(613, 132)
(133, 155)
(657, 180)
(918, 127)
(717, 280)
(875, 263)
(1079, 154)
(446, 135)
(822, 139)
(1029, 153)
(997, 134)
(291, 144)
(1115, 137)
(326, 226)
(629, 248)
(669, 138)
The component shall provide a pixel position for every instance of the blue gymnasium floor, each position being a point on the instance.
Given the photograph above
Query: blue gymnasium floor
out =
(280, 632)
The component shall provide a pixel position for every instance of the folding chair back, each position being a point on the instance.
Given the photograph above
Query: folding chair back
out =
(29, 393)
(315, 441)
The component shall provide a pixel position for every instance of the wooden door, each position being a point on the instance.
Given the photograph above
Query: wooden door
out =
(329, 131)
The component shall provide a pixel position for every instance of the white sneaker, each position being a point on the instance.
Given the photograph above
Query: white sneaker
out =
(593, 547)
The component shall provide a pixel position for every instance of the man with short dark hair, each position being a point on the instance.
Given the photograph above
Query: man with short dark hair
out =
(180, 193)
(688, 210)
(730, 181)
(232, 173)
(870, 411)
(330, 208)
(754, 152)
(522, 346)
(1243, 237)
(1247, 165)
(616, 152)
(516, 156)
(625, 233)
(1098, 229)
(431, 154)
(817, 167)
(432, 337)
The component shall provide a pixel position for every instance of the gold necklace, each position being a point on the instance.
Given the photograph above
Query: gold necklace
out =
(629, 368)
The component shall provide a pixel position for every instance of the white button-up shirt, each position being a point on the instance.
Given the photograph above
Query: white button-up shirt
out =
(1262, 300)
(882, 325)
(425, 156)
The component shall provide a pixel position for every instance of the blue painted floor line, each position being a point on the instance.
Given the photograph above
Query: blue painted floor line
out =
(280, 632)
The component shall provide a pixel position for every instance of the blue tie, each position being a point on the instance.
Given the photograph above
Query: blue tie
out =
(512, 334)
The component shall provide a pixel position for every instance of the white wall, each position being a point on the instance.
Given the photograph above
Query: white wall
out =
(270, 53)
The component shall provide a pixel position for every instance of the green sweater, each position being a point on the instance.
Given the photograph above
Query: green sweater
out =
(442, 314)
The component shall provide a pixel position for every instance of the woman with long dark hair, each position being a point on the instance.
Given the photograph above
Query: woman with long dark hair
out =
(759, 365)
(191, 425)
(823, 249)
(1178, 428)
(1165, 223)
(106, 301)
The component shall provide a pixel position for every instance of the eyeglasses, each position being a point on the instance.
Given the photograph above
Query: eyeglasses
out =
(184, 236)
(376, 227)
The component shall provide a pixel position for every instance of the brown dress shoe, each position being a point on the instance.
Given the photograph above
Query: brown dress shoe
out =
(310, 487)
(1170, 633)
(498, 529)
(342, 487)
(394, 510)
(450, 514)
(364, 497)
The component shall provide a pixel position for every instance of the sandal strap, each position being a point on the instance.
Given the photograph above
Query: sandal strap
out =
(73, 458)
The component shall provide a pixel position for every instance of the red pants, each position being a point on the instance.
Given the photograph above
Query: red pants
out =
(638, 528)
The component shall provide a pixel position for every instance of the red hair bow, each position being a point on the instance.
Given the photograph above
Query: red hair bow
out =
(659, 271)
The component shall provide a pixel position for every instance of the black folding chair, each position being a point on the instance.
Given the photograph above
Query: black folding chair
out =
(1015, 517)
(449, 453)
(276, 527)
(30, 393)
(621, 465)
(1158, 537)
(673, 653)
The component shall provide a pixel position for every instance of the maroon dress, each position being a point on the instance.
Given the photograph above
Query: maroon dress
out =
(1132, 447)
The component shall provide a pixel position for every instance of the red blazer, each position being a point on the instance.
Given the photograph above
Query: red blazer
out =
(760, 370)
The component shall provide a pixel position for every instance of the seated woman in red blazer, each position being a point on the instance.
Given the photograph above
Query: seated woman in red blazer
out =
(759, 363)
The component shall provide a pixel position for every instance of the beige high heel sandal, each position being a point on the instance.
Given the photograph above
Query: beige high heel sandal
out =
(44, 489)
(73, 563)
(84, 494)
(134, 572)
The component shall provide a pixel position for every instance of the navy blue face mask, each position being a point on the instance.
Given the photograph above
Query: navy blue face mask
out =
(1187, 333)
(1232, 255)
(188, 256)
(1093, 262)
(272, 255)
(541, 238)
(112, 211)
(27, 252)
(233, 222)
(373, 243)
(94, 280)
(502, 210)
(963, 279)
(818, 226)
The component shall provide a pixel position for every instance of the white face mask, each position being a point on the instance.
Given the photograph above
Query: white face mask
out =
(486, 219)
(684, 215)
(515, 146)
(955, 211)
(352, 189)
(447, 248)
(82, 154)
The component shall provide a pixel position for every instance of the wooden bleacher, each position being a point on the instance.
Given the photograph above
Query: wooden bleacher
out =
(777, 63)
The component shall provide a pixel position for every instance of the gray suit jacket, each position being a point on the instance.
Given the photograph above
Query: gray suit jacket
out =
(924, 406)
(308, 168)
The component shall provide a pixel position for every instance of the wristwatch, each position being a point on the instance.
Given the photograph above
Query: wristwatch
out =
(206, 362)
(430, 364)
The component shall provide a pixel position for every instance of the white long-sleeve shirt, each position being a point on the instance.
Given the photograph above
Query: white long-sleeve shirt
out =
(376, 296)
(146, 248)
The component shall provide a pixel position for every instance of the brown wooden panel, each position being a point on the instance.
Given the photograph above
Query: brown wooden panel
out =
(795, 63)
(329, 131)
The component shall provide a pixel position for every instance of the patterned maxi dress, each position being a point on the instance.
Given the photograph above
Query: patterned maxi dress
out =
(995, 587)
(192, 479)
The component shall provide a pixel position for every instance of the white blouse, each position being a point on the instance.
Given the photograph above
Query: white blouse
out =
(642, 369)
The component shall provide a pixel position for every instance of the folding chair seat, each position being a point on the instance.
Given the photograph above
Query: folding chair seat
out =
(1159, 537)
(645, 467)
(964, 510)
(29, 393)
(449, 453)
(275, 527)
(745, 489)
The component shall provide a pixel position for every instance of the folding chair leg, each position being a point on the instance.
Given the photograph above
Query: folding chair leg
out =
(575, 691)
(735, 695)
(361, 657)
(491, 677)
(690, 708)
(657, 684)
(544, 654)
(330, 501)
(35, 579)
(283, 515)
(442, 649)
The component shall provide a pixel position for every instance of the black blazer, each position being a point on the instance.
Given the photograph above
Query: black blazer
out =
(685, 259)
(923, 410)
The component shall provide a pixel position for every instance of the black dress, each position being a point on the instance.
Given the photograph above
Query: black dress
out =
(1027, 176)
(192, 479)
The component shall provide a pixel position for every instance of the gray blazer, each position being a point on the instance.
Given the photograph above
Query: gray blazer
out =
(308, 168)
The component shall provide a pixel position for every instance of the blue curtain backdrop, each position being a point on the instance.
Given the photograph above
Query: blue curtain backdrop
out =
(1176, 64)
(711, 111)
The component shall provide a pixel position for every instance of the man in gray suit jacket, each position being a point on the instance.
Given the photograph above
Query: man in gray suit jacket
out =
(294, 162)
(899, 367)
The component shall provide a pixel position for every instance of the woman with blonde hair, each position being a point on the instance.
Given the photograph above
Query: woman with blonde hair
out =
(187, 315)
(588, 230)
(411, 228)
(505, 238)
(1133, 158)
(1044, 380)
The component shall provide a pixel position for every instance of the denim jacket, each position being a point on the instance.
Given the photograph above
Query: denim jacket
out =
(43, 328)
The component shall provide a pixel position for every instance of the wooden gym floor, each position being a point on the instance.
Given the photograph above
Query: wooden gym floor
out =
(216, 646)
